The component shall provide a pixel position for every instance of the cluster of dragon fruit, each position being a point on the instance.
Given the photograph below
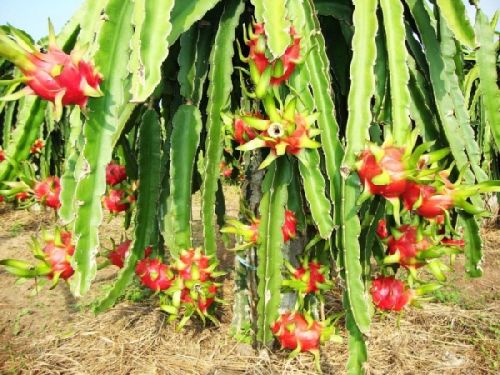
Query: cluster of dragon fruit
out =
(419, 229)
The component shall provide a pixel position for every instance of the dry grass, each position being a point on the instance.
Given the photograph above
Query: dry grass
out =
(136, 339)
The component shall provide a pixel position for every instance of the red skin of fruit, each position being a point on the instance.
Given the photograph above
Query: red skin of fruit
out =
(37, 146)
(408, 246)
(292, 54)
(289, 228)
(392, 163)
(59, 257)
(203, 303)
(47, 192)
(22, 196)
(120, 253)
(452, 242)
(187, 259)
(257, 53)
(389, 293)
(289, 58)
(292, 330)
(242, 132)
(382, 231)
(2, 155)
(1, 198)
(315, 276)
(433, 204)
(115, 174)
(153, 274)
(114, 201)
(72, 78)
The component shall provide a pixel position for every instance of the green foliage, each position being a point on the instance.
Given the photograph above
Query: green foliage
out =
(102, 124)
(184, 143)
(272, 213)
(218, 99)
(147, 205)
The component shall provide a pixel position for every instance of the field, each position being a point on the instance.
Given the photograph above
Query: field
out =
(52, 333)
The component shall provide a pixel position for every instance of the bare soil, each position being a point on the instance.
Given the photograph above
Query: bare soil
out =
(52, 333)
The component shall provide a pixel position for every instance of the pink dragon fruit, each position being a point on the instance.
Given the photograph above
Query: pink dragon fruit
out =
(294, 332)
(310, 277)
(115, 174)
(154, 274)
(194, 265)
(385, 173)
(289, 228)
(407, 245)
(58, 252)
(117, 201)
(430, 203)
(389, 293)
(53, 75)
(118, 255)
(283, 67)
(47, 192)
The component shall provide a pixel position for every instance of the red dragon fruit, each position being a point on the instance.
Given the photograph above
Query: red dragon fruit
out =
(58, 251)
(154, 274)
(203, 297)
(193, 265)
(37, 146)
(120, 253)
(310, 277)
(389, 293)
(426, 201)
(289, 228)
(47, 192)
(225, 170)
(294, 332)
(382, 231)
(115, 174)
(117, 201)
(383, 173)
(407, 245)
(283, 67)
(54, 75)
(453, 242)
(22, 196)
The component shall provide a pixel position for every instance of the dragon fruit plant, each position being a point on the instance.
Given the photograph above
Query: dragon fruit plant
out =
(345, 129)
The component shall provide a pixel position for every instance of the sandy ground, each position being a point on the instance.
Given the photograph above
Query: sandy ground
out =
(52, 333)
